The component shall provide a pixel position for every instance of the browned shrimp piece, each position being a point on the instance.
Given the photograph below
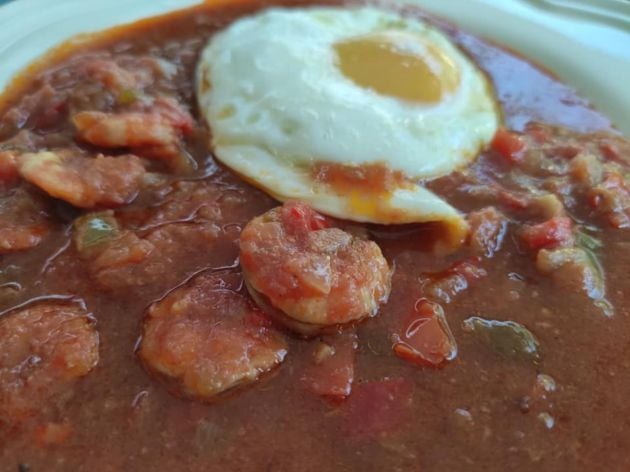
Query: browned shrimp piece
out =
(312, 276)
(82, 181)
(45, 348)
(153, 133)
(206, 338)
(23, 221)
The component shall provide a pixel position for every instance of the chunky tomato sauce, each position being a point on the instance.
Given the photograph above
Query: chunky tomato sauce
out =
(120, 279)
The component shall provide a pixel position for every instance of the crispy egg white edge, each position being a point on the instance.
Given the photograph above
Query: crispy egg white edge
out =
(414, 204)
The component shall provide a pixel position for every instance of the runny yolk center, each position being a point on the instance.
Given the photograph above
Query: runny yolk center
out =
(377, 62)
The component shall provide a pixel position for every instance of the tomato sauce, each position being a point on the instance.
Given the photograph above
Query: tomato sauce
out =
(515, 349)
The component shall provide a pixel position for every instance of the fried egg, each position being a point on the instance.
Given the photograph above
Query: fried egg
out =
(348, 109)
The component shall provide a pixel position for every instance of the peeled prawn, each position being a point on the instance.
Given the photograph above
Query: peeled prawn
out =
(82, 181)
(312, 277)
(45, 348)
(206, 339)
(154, 133)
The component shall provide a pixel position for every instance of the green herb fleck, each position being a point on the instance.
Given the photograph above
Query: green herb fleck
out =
(128, 96)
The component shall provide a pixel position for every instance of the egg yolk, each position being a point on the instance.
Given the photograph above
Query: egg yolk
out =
(379, 62)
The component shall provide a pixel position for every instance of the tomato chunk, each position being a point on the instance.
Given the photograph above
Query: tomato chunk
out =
(512, 200)
(508, 145)
(8, 167)
(445, 286)
(301, 219)
(426, 339)
(555, 232)
(378, 408)
(330, 372)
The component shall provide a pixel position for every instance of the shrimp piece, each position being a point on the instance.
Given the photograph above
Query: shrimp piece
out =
(45, 348)
(81, 181)
(153, 133)
(205, 339)
(308, 275)
(124, 129)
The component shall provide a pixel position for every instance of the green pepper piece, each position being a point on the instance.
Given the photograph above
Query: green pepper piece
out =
(586, 241)
(94, 229)
(507, 338)
(589, 245)
(128, 96)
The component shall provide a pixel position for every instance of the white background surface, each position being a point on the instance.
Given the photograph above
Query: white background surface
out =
(585, 42)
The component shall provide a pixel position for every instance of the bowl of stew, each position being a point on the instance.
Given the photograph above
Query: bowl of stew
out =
(162, 308)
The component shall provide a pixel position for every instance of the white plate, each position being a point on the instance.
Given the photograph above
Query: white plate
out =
(585, 42)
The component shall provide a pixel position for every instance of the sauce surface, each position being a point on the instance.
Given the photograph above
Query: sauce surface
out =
(564, 407)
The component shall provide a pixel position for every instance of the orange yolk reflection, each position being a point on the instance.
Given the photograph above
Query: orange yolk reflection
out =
(378, 62)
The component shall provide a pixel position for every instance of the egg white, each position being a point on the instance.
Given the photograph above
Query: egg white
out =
(272, 93)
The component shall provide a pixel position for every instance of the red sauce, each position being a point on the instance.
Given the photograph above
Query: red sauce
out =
(493, 406)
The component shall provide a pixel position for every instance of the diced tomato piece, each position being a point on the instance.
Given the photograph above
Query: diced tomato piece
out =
(378, 408)
(610, 151)
(512, 200)
(426, 339)
(508, 145)
(299, 218)
(555, 232)
(445, 286)
(8, 167)
(330, 372)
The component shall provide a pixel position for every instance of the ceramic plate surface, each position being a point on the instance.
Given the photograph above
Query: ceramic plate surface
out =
(585, 42)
